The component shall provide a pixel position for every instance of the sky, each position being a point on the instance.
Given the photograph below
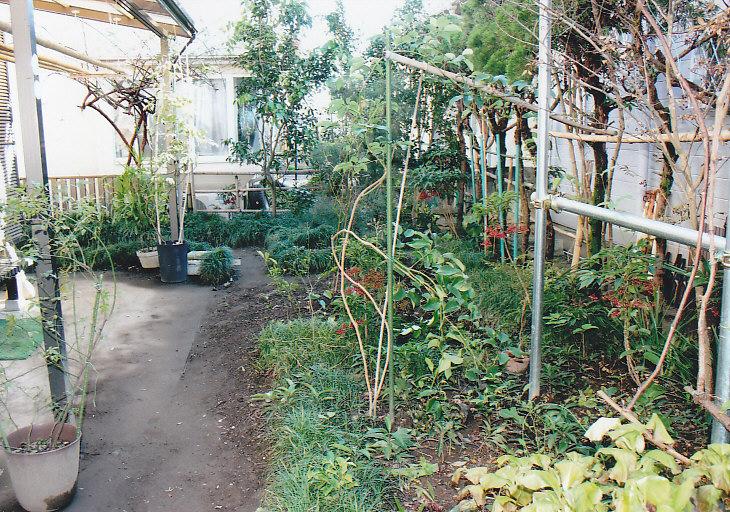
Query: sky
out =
(212, 18)
(366, 17)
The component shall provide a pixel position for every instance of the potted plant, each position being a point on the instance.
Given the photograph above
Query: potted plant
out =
(42, 450)
(175, 137)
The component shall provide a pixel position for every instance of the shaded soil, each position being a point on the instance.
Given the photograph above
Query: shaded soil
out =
(227, 348)
(172, 427)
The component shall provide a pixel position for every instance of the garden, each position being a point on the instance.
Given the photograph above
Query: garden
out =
(430, 333)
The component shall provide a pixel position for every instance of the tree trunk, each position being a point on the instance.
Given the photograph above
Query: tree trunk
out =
(549, 237)
(600, 171)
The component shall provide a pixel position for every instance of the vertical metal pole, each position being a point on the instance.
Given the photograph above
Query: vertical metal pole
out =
(390, 235)
(36, 173)
(499, 138)
(483, 166)
(722, 373)
(543, 153)
(518, 202)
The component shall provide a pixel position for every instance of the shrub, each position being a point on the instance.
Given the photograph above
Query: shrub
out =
(206, 227)
(216, 266)
(120, 255)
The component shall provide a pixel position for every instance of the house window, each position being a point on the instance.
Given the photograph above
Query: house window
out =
(248, 129)
(216, 114)
(211, 107)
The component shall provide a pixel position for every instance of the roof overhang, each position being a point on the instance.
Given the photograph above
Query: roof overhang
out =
(165, 18)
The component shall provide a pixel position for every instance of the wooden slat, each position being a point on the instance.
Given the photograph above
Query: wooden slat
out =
(101, 12)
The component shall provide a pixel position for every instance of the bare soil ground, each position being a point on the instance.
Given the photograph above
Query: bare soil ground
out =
(172, 428)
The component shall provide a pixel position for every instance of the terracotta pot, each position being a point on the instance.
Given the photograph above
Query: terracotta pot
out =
(44, 481)
(149, 258)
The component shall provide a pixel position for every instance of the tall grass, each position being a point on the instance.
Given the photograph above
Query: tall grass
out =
(317, 424)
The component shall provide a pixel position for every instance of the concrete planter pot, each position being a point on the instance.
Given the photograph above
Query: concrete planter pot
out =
(44, 481)
(149, 258)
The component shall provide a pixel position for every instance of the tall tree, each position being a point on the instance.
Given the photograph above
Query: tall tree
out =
(267, 43)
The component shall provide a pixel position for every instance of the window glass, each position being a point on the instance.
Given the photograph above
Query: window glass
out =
(211, 116)
(248, 126)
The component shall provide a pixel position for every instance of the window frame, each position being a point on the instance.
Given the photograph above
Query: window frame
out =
(231, 129)
(229, 80)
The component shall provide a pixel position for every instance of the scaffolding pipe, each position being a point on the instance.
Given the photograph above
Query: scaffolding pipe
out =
(483, 165)
(722, 377)
(7, 27)
(543, 153)
(389, 237)
(672, 232)
(491, 91)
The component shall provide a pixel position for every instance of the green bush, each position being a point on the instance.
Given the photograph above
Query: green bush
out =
(121, 255)
(207, 227)
(216, 267)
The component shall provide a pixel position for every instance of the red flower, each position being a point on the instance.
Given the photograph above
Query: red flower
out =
(353, 271)
(356, 290)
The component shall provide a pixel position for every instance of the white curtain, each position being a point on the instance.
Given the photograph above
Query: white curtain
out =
(211, 116)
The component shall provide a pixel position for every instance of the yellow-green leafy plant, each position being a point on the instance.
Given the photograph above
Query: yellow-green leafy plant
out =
(625, 476)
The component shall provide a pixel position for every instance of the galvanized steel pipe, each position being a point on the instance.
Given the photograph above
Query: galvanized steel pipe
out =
(672, 232)
(543, 155)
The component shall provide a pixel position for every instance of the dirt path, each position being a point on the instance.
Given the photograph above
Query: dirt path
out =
(172, 429)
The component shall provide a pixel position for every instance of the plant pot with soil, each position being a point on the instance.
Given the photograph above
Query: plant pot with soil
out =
(174, 137)
(41, 433)
(173, 258)
(148, 257)
(43, 462)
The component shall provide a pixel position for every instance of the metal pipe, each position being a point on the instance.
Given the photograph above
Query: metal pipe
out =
(491, 91)
(390, 242)
(473, 172)
(722, 372)
(499, 140)
(36, 173)
(483, 162)
(543, 153)
(679, 234)
(7, 27)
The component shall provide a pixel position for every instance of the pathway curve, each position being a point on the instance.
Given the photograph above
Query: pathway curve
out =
(159, 436)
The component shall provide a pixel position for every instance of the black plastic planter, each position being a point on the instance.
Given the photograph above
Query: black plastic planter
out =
(173, 262)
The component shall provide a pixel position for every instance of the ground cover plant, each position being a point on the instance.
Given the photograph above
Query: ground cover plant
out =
(446, 341)
(323, 460)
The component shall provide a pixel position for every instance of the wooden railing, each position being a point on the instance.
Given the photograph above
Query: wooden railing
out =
(66, 191)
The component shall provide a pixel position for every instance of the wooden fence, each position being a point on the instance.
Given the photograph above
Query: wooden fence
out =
(66, 191)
